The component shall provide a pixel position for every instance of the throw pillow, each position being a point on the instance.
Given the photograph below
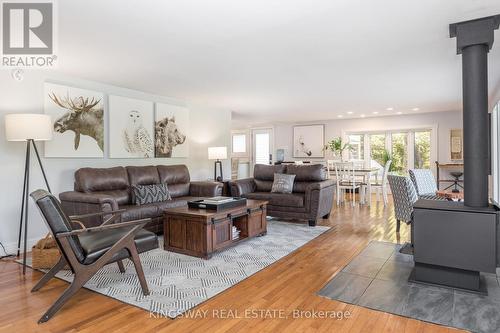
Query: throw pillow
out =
(145, 194)
(282, 183)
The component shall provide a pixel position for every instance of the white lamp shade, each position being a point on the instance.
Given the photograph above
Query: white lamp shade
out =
(24, 126)
(217, 153)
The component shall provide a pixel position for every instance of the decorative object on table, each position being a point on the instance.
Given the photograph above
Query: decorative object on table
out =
(337, 146)
(218, 154)
(456, 144)
(236, 233)
(451, 195)
(280, 155)
(28, 128)
(456, 175)
(217, 203)
(130, 128)
(171, 131)
(146, 194)
(282, 183)
(78, 121)
(45, 254)
(308, 141)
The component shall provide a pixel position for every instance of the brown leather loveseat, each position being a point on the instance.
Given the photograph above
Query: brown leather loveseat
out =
(107, 189)
(312, 195)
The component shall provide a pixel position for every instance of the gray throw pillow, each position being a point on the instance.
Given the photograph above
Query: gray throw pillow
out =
(282, 183)
(145, 194)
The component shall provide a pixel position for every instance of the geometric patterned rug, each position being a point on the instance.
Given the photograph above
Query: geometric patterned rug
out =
(179, 282)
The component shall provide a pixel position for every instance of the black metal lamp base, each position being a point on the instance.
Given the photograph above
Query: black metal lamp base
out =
(218, 178)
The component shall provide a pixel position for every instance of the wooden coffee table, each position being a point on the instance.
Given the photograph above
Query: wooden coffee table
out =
(201, 232)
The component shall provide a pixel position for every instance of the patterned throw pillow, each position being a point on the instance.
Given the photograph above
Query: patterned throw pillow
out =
(145, 194)
(282, 183)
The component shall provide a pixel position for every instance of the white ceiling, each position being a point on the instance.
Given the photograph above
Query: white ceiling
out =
(267, 60)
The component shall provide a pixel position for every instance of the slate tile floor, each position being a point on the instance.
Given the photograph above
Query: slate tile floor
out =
(377, 278)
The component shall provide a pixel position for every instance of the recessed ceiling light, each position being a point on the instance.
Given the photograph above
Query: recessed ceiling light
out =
(362, 116)
(415, 109)
(375, 112)
(350, 112)
(390, 109)
(339, 116)
(399, 112)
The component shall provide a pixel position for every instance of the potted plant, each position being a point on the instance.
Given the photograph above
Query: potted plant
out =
(337, 147)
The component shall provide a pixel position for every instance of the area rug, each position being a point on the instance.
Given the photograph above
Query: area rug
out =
(179, 282)
(377, 278)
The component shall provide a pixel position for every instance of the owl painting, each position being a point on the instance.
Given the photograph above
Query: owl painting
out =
(136, 138)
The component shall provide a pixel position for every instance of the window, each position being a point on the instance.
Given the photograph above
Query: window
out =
(239, 143)
(422, 150)
(399, 151)
(377, 148)
(357, 142)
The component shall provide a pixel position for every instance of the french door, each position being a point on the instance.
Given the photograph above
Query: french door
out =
(262, 146)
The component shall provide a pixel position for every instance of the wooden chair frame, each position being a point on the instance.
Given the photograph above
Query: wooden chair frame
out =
(82, 272)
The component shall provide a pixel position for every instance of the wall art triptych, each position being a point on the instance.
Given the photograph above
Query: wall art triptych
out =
(136, 128)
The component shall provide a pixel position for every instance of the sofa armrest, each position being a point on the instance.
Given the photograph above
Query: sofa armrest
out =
(320, 185)
(241, 186)
(205, 189)
(79, 203)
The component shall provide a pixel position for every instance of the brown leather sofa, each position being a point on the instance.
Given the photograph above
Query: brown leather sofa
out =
(312, 195)
(108, 189)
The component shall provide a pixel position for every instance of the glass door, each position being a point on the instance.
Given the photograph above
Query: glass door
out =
(262, 140)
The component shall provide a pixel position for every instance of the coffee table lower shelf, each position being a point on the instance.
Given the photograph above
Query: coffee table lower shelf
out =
(200, 232)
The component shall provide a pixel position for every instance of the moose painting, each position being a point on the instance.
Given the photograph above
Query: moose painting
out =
(78, 122)
(171, 131)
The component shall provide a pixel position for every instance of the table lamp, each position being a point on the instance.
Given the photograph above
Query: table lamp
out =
(28, 128)
(217, 154)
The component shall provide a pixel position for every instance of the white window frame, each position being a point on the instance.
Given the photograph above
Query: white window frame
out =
(388, 141)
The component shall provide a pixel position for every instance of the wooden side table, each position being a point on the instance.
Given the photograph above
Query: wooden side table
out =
(452, 196)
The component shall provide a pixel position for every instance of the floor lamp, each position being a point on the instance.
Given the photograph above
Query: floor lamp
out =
(28, 128)
(217, 154)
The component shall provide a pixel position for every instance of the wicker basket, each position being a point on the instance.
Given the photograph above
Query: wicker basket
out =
(45, 253)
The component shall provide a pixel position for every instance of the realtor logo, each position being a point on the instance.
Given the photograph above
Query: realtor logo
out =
(28, 34)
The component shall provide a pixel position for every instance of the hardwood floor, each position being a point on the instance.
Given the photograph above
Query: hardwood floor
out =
(289, 284)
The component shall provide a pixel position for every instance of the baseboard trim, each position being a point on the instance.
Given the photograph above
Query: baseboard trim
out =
(11, 248)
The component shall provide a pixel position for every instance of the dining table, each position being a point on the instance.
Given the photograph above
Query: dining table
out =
(365, 174)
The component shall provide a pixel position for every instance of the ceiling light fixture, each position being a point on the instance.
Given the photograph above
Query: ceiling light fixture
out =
(339, 116)
(415, 109)
(350, 112)
(399, 112)
(390, 109)
(362, 116)
(375, 112)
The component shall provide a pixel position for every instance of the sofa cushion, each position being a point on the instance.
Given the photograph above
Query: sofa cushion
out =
(143, 175)
(134, 212)
(263, 185)
(266, 172)
(282, 183)
(176, 177)
(101, 179)
(144, 194)
(278, 199)
(173, 174)
(307, 173)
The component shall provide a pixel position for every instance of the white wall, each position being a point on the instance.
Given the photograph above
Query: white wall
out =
(283, 132)
(209, 127)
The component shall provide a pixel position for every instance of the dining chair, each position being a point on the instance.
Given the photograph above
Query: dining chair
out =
(87, 250)
(381, 185)
(425, 184)
(235, 164)
(345, 178)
